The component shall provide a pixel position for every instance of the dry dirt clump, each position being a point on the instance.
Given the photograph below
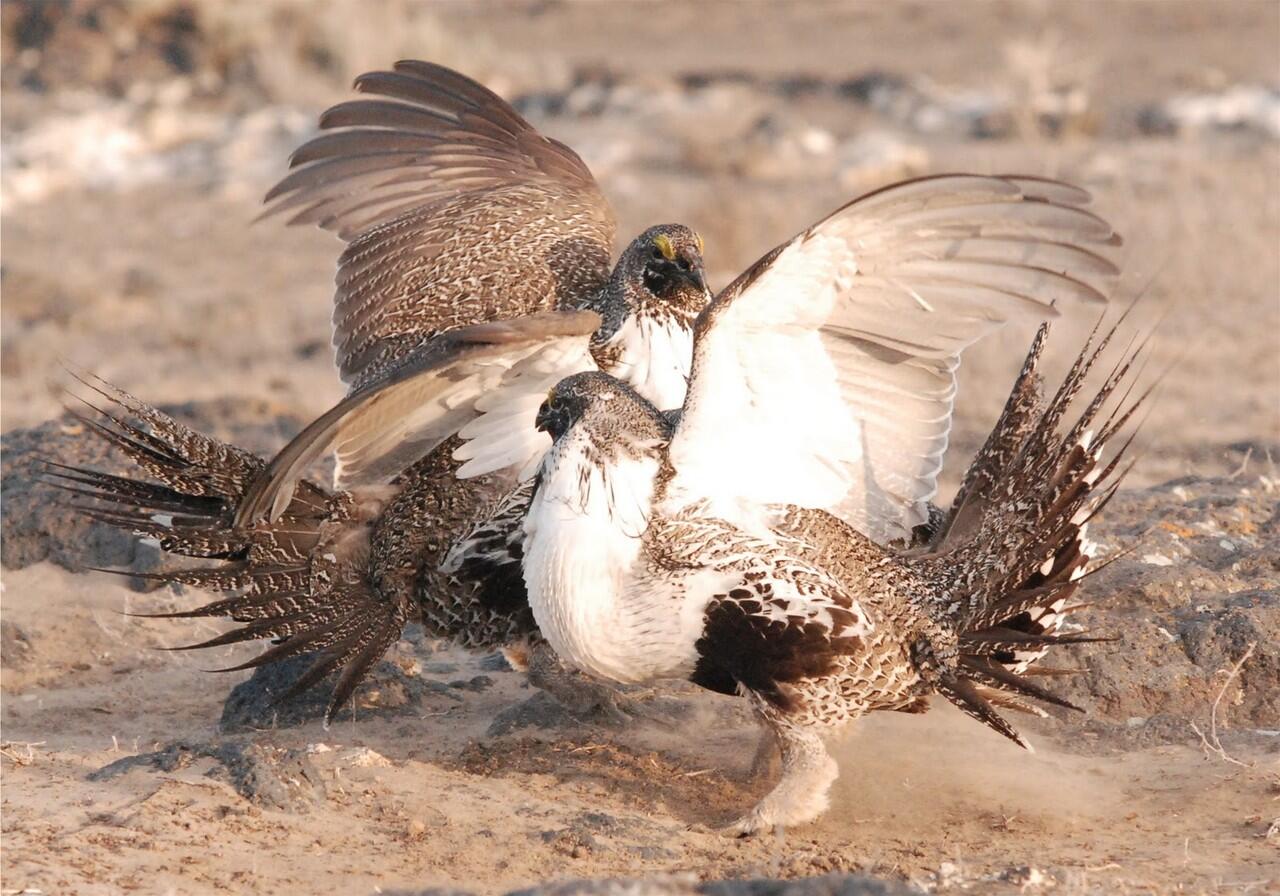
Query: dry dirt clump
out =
(1200, 588)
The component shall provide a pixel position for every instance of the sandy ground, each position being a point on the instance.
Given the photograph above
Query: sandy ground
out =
(116, 775)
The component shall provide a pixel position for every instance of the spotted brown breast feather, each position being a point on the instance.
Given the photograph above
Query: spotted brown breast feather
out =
(438, 184)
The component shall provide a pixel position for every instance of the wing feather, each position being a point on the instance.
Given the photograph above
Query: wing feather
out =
(825, 376)
(455, 208)
(379, 430)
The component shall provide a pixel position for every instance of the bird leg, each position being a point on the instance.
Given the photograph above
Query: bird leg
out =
(579, 693)
(765, 763)
(802, 794)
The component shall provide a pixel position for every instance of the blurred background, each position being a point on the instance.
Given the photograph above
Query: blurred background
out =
(140, 135)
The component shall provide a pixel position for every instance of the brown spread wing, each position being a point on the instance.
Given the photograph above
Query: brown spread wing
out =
(455, 208)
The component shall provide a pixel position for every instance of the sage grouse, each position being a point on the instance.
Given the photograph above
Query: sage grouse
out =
(753, 544)
(457, 212)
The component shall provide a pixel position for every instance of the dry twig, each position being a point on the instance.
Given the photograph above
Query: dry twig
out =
(1244, 465)
(1211, 744)
(7, 749)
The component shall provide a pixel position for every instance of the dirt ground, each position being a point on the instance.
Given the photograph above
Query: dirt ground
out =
(138, 138)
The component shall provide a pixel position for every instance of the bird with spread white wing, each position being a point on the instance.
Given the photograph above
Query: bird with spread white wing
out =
(759, 542)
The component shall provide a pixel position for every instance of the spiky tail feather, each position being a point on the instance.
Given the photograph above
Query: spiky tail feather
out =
(301, 580)
(1017, 531)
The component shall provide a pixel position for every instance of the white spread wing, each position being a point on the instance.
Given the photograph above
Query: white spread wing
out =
(825, 375)
(504, 435)
(494, 375)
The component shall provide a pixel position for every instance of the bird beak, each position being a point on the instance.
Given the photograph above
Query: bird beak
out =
(697, 275)
(543, 420)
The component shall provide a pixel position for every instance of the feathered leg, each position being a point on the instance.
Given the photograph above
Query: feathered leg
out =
(766, 763)
(803, 792)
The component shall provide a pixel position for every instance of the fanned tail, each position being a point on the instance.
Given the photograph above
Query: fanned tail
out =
(1016, 535)
(300, 580)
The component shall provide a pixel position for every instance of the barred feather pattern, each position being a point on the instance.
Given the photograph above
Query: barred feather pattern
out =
(337, 575)
(969, 615)
(455, 209)
(1014, 547)
(301, 580)
(479, 603)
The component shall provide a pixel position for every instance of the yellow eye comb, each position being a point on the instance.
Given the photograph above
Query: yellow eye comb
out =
(665, 246)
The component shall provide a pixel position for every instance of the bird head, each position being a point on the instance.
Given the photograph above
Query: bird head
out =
(648, 308)
(608, 408)
(663, 268)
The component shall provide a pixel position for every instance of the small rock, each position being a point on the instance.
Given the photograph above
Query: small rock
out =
(15, 646)
(475, 684)
(271, 777)
(363, 757)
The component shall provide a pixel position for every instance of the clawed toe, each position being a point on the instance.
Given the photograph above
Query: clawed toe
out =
(750, 825)
(603, 705)
(744, 827)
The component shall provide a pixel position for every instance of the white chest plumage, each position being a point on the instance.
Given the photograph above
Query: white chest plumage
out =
(586, 576)
(653, 358)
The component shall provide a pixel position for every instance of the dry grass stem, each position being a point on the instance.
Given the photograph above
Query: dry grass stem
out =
(1211, 744)
(8, 749)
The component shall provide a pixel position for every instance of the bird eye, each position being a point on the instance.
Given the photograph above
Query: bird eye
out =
(656, 254)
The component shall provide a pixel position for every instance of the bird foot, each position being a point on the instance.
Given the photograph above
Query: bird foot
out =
(594, 702)
(749, 825)
(583, 697)
(801, 794)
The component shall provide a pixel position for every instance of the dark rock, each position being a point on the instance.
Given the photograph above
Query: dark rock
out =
(36, 522)
(495, 662)
(267, 776)
(475, 684)
(388, 691)
(539, 711)
(826, 885)
(1200, 587)
(271, 777)
(688, 885)
(257, 703)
